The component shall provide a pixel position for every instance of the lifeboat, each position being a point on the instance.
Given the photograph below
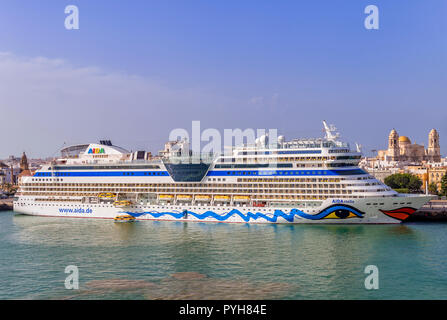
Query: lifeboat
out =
(166, 197)
(184, 197)
(124, 218)
(221, 198)
(202, 198)
(241, 198)
(107, 195)
(123, 203)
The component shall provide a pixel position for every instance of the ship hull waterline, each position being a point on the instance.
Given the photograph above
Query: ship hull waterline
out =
(370, 210)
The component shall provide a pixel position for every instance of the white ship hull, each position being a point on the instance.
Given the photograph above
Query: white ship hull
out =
(380, 210)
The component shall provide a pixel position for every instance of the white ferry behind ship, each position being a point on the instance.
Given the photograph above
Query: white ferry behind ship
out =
(297, 181)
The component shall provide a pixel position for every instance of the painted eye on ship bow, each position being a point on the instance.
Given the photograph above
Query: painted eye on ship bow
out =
(341, 212)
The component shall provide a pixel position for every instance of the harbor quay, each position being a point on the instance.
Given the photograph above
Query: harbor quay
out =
(6, 204)
(435, 210)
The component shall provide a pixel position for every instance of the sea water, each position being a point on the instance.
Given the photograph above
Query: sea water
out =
(184, 260)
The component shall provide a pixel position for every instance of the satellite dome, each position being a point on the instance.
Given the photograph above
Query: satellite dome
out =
(281, 139)
(263, 140)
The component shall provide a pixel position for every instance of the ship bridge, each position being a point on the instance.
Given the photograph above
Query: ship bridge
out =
(190, 168)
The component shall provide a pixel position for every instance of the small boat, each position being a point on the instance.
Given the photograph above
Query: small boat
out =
(166, 196)
(107, 195)
(124, 218)
(184, 197)
(202, 198)
(221, 198)
(122, 203)
(241, 198)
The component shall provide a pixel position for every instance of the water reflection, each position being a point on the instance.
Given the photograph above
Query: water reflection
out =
(181, 260)
(187, 285)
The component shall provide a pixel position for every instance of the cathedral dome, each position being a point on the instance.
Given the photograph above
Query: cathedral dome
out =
(404, 139)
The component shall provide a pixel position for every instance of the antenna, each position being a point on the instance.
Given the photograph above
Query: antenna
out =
(331, 131)
(358, 147)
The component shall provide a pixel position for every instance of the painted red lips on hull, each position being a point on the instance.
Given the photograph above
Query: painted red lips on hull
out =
(400, 214)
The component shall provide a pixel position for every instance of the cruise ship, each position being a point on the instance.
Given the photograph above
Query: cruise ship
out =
(297, 181)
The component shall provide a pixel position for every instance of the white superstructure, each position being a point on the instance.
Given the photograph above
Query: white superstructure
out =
(297, 181)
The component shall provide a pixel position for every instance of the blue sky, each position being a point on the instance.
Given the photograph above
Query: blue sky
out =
(135, 70)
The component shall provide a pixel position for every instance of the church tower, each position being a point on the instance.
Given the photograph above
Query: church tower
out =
(24, 163)
(393, 146)
(434, 150)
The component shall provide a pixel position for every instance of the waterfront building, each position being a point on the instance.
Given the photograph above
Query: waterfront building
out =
(435, 174)
(381, 173)
(401, 149)
(9, 173)
(427, 172)
(13, 167)
(421, 171)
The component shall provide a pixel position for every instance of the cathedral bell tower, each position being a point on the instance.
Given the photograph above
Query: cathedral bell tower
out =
(393, 146)
(24, 163)
(434, 150)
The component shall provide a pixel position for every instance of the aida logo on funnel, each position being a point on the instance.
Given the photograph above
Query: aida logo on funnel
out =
(96, 150)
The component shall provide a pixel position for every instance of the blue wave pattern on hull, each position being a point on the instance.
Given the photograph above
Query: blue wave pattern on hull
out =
(255, 216)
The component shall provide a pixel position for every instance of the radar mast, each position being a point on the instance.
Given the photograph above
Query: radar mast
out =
(331, 132)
